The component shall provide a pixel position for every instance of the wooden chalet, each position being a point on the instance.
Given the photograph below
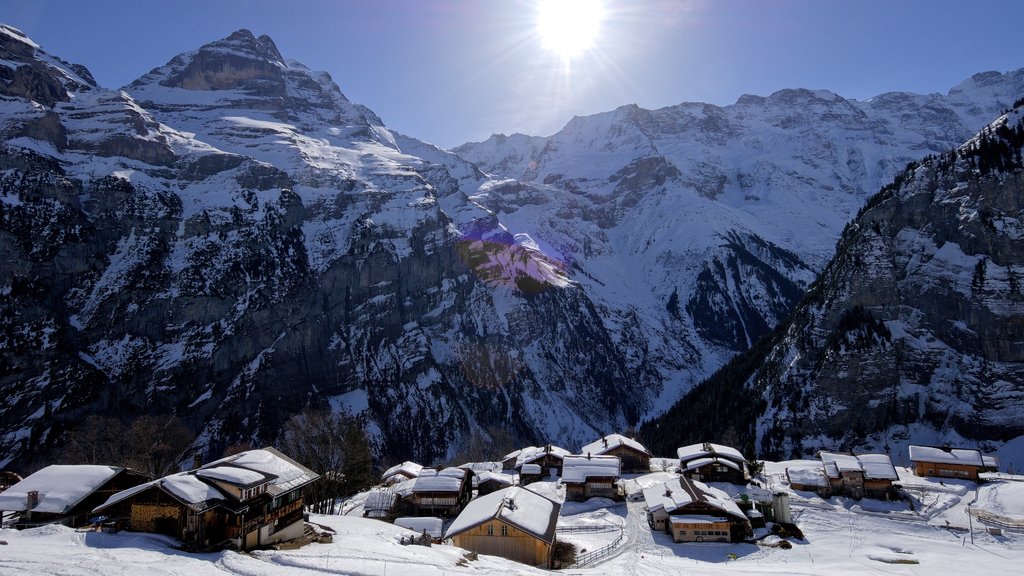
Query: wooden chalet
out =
(247, 500)
(487, 482)
(691, 511)
(513, 523)
(709, 462)
(589, 476)
(635, 458)
(66, 494)
(548, 458)
(442, 493)
(854, 475)
(947, 462)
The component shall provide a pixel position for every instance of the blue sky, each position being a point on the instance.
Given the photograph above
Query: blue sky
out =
(449, 71)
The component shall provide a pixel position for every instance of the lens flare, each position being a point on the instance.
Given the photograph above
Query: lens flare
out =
(569, 27)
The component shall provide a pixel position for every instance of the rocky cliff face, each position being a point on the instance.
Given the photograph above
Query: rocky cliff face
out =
(231, 240)
(914, 332)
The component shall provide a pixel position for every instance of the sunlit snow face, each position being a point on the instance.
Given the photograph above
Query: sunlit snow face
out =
(569, 27)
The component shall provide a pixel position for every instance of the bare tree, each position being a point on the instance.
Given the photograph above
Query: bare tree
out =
(334, 446)
(155, 445)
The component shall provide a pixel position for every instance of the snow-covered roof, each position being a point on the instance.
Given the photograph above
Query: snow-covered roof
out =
(990, 461)
(183, 486)
(408, 469)
(531, 469)
(404, 488)
(517, 506)
(446, 480)
(807, 476)
(696, 519)
(233, 475)
(694, 464)
(506, 479)
(963, 456)
(532, 453)
(380, 499)
(577, 469)
(708, 449)
(60, 487)
(672, 495)
(433, 526)
(874, 466)
(611, 442)
(288, 474)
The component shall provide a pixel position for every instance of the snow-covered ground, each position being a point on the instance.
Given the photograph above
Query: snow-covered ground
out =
(842, 536)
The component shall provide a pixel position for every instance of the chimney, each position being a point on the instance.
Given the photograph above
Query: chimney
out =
(588, 455)
(707, 447)
(668, 491)
(197, 460)
(947, 448)
(605, 440)
(31, 500)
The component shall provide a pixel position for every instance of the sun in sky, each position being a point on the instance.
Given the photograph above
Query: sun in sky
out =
(569, 27)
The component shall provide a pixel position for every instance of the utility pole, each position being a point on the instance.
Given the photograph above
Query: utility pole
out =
(970, 523)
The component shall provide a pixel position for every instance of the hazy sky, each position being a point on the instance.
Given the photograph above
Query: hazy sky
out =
(449, 71)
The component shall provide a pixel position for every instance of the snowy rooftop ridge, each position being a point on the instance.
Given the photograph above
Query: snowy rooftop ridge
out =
(60, 487)
(407, 468)
(611, 442)
(288, 474)
(874, 466)
(673, 495)
(708, 449)
(445, 480)
(518, 506)
(531, 453)
(580, 468)
(938, 455)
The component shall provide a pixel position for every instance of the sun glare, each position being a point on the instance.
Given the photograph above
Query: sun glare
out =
(569, 27)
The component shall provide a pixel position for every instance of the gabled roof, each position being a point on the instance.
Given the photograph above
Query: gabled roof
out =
(611, 442)
(61, 487)
(517, 506)
(288, 474)
(807, 476)
(407, 468)
(936, 455)
(708, 450)
(498, 477)
(576, 469)
(241, 477)
(183, 487)
(531, 454)
(674, 495)
(694, 464)
(445, 480)
(874, 466)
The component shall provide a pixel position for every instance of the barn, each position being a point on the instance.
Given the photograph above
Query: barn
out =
(513, 523)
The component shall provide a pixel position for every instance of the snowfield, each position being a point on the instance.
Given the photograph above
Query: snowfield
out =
(842, 536)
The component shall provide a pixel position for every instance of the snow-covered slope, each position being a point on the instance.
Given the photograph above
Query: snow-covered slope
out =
(913, 333)
(695, 228)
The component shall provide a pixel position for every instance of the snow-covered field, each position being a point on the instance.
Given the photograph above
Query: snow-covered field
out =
(842, 536)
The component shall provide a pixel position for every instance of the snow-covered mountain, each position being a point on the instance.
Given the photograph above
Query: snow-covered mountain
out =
(913, 333)
(230, 239)
(697, 227)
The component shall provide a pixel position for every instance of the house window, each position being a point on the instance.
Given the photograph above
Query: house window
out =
(490, 530)
(504, 530)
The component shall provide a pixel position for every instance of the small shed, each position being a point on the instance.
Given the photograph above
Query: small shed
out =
(428, 525)
(380, 502)
(591, 476)
(514, 523)
(488, 482)
(634, 457)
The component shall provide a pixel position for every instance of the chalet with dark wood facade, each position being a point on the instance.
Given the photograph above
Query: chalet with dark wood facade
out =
(587, 477)
(854, 475)
(488, 482)
(635, 458)
(66, 494)
(250, 499)
(442, 493)
(691, 511)
(548, 458)
(709, 462)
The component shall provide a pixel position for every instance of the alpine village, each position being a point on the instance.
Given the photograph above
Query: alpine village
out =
(247, 328)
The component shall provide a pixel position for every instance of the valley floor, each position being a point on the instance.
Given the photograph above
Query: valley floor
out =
(929, 536)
